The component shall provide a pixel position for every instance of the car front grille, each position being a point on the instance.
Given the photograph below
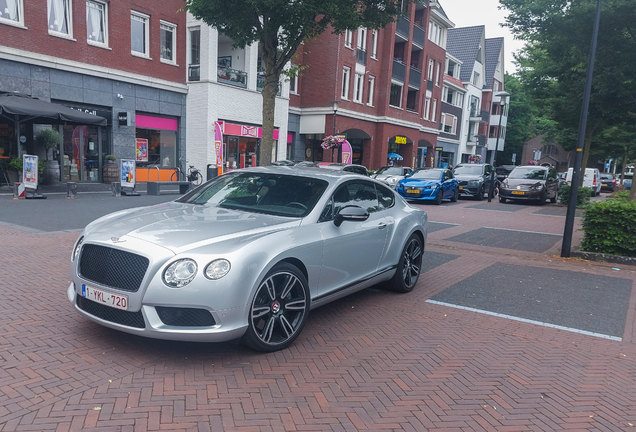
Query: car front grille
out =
(185, 317)
(107, 313)
(463, 183)
(112, 267)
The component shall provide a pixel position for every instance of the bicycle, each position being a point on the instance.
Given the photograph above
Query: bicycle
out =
(193, 175)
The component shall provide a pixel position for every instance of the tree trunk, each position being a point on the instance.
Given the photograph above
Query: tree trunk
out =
(624, 166)
(269, 107)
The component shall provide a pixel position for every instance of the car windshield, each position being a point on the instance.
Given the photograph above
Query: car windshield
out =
(528, 173)
(332, 167)
(427, 174)
(468, 170)
(390, 171)
(273, 194)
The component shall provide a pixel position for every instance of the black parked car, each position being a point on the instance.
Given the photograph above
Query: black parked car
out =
(474, 180)
(530, 182)
(608, 182)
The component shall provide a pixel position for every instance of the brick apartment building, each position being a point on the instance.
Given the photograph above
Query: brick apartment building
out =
(122, 60)
(379, 88)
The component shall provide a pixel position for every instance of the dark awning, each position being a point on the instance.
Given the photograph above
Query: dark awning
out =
(14, 105)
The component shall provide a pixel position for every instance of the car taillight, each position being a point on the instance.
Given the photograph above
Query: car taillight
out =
(593, 183)
(614, 181)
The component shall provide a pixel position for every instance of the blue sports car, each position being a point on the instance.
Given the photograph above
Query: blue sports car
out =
(434, 184)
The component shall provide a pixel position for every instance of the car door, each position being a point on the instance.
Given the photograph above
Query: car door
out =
(352, 250)
(450, 184)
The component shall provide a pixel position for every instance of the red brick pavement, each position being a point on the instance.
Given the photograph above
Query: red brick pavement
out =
(375, 361)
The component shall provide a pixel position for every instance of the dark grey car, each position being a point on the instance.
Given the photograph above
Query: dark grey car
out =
(474, 179)
(530, 182)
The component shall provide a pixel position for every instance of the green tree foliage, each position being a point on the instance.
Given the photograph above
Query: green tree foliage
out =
(554, 63)
(280, 26)
(521, 121)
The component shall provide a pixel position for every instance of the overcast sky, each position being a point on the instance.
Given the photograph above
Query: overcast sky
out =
(468, 13)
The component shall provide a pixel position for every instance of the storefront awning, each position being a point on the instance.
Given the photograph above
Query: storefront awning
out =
(19, 107)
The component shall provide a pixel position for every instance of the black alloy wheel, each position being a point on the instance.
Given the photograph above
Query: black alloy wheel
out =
(279, 310)
(542, 198)
(409, 267)
(455, 195)
(480, 194)
(439, 196)
(501, 199)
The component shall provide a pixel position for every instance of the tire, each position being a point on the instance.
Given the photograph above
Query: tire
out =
(480, 195)
(542, 198)
(502, 199)
(409, 266)
(456, 196)
(198, 178)
(555, 198)
(279, 309)
(174, 176)
(439, 196)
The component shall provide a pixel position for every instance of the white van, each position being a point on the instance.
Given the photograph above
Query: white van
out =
(591, 180)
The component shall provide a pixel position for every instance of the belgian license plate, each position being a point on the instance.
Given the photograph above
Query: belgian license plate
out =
(461, 188)
(104, 297)
(412, 191)
(518, 192)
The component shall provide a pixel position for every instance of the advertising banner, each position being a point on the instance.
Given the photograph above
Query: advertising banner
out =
(142, 149)
(347, 152)
(127, 171)
(218, 146)
(30, 171)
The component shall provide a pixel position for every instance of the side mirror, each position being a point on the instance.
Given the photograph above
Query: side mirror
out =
(351, 213)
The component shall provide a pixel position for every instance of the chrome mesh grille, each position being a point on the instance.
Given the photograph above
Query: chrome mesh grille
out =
(112, 267)
(130, 319)
(185, 317)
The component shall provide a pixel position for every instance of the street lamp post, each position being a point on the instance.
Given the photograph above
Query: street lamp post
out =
(335, 112)
(502, 104)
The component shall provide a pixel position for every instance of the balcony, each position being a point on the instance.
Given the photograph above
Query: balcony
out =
(419, 36)
(485, 116)
(194, 73)
(361, 57)
(403, 28)
(232, 76)
(415, 78)
(481, 140)
(399, 70)
(260, 83)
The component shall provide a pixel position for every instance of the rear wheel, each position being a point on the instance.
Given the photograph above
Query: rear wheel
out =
(279, 310)
(409, 267)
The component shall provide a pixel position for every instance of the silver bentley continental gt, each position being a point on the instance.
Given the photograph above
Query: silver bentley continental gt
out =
(246, 256)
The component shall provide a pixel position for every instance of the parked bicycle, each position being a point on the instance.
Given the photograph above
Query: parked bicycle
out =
(193, 175)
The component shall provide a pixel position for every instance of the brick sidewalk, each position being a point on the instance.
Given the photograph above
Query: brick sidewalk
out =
(375, 361)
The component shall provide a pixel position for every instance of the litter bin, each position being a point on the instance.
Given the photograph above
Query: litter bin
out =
(213, 171)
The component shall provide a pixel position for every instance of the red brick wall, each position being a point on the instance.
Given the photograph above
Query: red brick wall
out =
(37, 39)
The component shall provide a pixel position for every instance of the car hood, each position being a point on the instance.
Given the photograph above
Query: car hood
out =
(467, 177)
(523, 182)
(180, 226)
(418, 182)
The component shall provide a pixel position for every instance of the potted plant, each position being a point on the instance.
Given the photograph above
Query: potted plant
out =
(50, 139)
(110, 172)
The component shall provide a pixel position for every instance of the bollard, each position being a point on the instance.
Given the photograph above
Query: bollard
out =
(116, 189)
(19, 191)
(71, 190)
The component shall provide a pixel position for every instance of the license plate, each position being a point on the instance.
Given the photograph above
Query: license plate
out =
(412, 191)
(461, 188)
(518, 192)
(603, 184)
(104, 297)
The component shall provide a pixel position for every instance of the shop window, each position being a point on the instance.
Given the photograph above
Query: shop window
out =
(156, 147)
(11, 12)
(96, 22)
(139, 34)
(168, 42)
(59, 12)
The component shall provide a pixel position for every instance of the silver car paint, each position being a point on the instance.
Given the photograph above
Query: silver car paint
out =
(253, 243)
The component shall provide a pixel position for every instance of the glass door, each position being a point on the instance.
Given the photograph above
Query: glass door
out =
(90, 153)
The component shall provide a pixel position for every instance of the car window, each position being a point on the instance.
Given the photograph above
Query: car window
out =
(386, 197)
(427, 174)
(360, 194)
(448, 175)
(468, 170)
(528, 173)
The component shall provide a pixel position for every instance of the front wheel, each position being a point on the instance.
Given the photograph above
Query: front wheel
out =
(196, 178)
(409, 267)
(279, 310)
(439, 196)
(455, 196)
(501, 199)
(480, 194)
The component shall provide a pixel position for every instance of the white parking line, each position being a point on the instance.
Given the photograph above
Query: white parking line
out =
(524, 320)
(531, 232)
(444, 223)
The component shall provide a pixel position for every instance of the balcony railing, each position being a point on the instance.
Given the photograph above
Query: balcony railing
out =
(415, 78)
(260, 83)
(194, 73)
(418, 36)
(481, 140)
(403, 27)
(232, 76)
(485, 116)
(361, 57)
(399, 70)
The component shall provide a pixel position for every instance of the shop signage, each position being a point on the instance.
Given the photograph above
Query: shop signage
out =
(142, 149)
(400, 140)
(243, 130)
(218, 147)
(127, 171)
(347, 152)
(123, 118)
(439, 148)
(249, 131)
(30, 171)
(93, 111)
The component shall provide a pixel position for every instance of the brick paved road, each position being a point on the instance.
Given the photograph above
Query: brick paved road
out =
(375, 361)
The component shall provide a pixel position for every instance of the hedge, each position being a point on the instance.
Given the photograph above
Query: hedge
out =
(609, 228)
(582, 197)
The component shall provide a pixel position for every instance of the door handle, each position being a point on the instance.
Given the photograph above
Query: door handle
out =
(381, 225)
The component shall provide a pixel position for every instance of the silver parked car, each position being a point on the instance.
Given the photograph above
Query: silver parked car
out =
(391, 175)
(246, 255)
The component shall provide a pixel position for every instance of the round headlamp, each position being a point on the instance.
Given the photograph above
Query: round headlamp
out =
(180, 273)
(217, 269)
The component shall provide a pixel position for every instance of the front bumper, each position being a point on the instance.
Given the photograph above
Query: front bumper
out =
(522, 195)
(422, 195)
(469, 191)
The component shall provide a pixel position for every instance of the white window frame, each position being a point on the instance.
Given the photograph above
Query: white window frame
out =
(445, 120)
(476, 77)
(459, 99)
(19, 13)
(431, 67)
(362, 39)
(146, 19)
(104, 6)
(173, 28)
(374, 44)
(434, 113)
(348, 38)
(358, 82)
(371, 90)
(437, 73)
(293, 80)
(68, 6)
(445, 94)
(427, 107)
(346, 76)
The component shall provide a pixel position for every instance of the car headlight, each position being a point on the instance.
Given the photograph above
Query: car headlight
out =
(77, 248)
(430, 187)
(536, 187)
(180, 273)
(217, 269)
(391, 180)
